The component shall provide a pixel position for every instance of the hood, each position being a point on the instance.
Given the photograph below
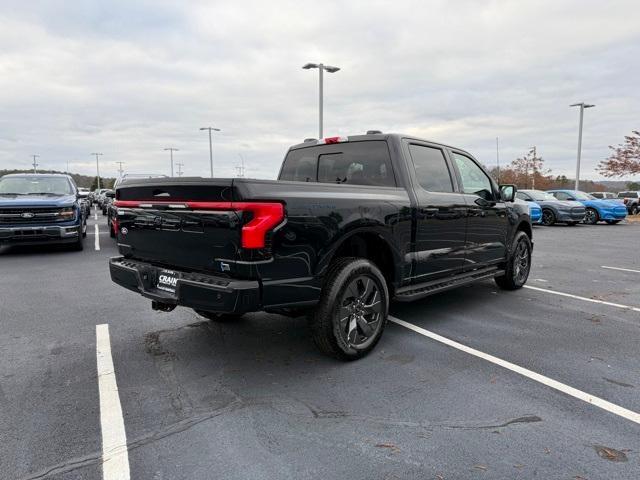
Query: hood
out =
(37, 200)
(560, 203)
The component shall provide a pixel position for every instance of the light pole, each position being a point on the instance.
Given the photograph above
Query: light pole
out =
(321, 68)
(171, 150)
(97, 167)
(35, 164)
(180, 165)
(582, 106)
(120, 169)
(210, 146)
(498, 158)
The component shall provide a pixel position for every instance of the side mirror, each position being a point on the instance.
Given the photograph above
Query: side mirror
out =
(508, 193)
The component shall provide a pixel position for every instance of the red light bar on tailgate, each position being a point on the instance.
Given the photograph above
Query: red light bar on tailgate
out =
(266, 216)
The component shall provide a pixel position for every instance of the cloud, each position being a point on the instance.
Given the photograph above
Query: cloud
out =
(132, 78)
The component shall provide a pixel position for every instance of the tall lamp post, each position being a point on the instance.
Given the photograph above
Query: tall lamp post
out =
(120, 169)
(97, 167)
(171, 150)
(321, 68)
(210, 146)
(35, 164)
(582, 106)
(180, 165)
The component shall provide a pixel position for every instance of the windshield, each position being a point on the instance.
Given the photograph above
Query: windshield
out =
(627, 195)
(35, 185)
(583, 196)
(540, 196)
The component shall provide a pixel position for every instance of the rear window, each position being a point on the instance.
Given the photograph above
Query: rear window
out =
(627, 195)
(355, 163)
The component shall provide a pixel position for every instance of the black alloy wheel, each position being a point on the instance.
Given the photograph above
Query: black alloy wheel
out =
(360, 312)
(548, 217)
(591, 216)
(352, 313)
(518, 265)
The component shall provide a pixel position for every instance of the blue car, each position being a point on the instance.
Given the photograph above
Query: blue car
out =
(610, 211)
(535, 212)
(41, 208)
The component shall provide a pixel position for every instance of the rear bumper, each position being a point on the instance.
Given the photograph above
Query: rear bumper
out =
(34, 235)
(194, 290)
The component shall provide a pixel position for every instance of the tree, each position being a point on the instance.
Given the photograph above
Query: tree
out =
(633, 185)
(625, 159)
(530, 172)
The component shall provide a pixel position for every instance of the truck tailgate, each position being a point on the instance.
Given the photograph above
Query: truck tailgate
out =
(168, 222)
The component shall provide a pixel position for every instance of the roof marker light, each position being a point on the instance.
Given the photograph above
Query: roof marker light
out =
(331, 140)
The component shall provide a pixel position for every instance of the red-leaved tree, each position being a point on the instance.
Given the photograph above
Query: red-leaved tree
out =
(625, 159)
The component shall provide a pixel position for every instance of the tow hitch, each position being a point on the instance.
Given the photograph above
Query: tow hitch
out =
(162, 307)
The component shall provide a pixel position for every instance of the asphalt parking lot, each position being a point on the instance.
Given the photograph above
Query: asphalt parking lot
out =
(255, 399)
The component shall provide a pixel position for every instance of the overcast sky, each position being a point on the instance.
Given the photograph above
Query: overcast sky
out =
(130, 78)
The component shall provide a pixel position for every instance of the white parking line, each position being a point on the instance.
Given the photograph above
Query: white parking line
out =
(97, 237)
(115, 457)
(549, 382)
(577, 297)
(621, 269)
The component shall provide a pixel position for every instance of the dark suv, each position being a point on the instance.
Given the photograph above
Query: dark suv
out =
(41, 208)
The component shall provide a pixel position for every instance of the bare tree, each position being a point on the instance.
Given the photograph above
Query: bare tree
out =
(625, 159)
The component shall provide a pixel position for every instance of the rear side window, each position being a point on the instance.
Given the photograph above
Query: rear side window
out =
(354, 163)
(431, 168)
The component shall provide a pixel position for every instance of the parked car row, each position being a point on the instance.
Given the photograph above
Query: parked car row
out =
(572, 207)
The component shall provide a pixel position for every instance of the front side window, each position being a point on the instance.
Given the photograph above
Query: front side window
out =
(474, 180)
(431, 168)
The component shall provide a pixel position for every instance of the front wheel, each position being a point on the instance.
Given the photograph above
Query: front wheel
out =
(591, 216)
(634, 210)
(548, 217)
(518, 265)
(349, 320)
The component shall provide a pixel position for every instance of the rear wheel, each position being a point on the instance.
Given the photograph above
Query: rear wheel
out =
(591, 216)
(220, 317)
(352, 313)
(548, 217)
(518, 265)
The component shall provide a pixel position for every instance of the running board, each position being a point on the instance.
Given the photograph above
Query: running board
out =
(421, 290)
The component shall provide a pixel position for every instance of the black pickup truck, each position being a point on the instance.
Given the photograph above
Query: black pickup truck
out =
(351, 223)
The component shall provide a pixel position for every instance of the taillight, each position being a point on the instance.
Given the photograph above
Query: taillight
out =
(266, 215)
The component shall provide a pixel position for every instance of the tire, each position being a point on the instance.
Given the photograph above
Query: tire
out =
(78, 245)
(84, 229)
(354, 289)
(518, 265)
(219, 317)
(634, 210)
(112, 232)
(591, 216)
(548, 217)
(612, 222)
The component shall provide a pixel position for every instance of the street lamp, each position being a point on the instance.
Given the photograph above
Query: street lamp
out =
(97, 167)
(582, 106)
(35, 164)
(321, 68)
(180, 165)
(210, 146)
(120, 169)
(171, 150)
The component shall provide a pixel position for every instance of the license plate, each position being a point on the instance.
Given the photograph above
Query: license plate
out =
(167, 280)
